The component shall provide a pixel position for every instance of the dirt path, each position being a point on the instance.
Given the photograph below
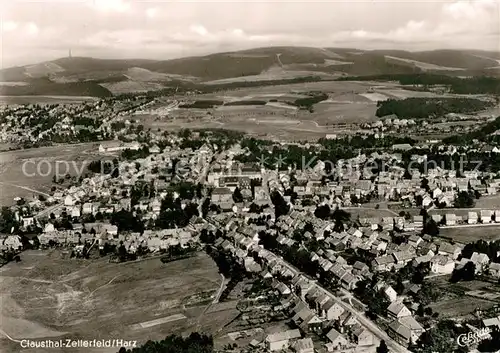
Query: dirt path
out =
(215, 301)
(8, 337)
(25, 188)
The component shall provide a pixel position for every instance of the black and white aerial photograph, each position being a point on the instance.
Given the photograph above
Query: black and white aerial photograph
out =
(249, 176)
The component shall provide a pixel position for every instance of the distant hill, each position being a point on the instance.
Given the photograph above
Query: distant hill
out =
(259, 62)
(44, 86)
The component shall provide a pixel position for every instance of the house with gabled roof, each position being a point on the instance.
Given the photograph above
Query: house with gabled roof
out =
(423, 259)
(472, 217)
(403, 257)
(486, 216)
(281, 288)
(306, 320)
(331, 310)
(360, 268)
(397, 310)
(355, 232)
(281, 340)
(494, 270)
(405, 330)
(340, 260)
(418, 221)
(390, 293)
(450, 250)
(362, 336)
(414, 240)
(481, 261)
(302, 286)
(442, 264)
(337, 341)
(346, 320)
(451, 219)
(349, 281)
(383, 263)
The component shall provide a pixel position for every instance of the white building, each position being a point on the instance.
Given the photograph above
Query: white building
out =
(442, 264)
(281, 340)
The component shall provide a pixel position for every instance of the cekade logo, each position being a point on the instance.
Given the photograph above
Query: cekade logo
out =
(468, 339)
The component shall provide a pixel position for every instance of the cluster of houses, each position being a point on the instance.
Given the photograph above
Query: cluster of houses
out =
(392, 124)
(100, 196)
(311, 307)
(64, 120)
(439, 255)
(105, 233)
(357, 181)
(447, 219)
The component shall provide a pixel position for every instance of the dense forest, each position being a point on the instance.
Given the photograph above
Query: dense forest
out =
(471, 85)
(307, 103)
(246, 102)
(202, 104)
(421, 108)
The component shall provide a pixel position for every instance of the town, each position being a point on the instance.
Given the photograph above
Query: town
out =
(351, 246)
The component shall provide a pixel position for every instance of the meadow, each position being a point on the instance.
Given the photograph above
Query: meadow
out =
(471, 234)
(48, 294)
(349, 102)
(460, 300)
(23, 172)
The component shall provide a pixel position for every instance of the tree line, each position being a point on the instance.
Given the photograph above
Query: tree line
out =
(458, 85)
(423, 108)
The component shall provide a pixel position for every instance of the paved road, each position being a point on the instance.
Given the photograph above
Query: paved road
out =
(471, 225)
(360, 316)
(48, 210)
(370, 325)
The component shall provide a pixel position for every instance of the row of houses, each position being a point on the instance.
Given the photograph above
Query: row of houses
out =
(310, 306)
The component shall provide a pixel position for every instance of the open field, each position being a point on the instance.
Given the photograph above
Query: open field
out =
(460, 300)
(471, 234)
(132, 86)
(457, 307)
(348, 113)
(23, 171)
(422, 65)
(273, 73)
(368, 212)
(489, 202)
(375, 97)
(349, 102)
(48, 295)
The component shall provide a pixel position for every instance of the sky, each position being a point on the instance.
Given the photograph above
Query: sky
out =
(39, 30)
